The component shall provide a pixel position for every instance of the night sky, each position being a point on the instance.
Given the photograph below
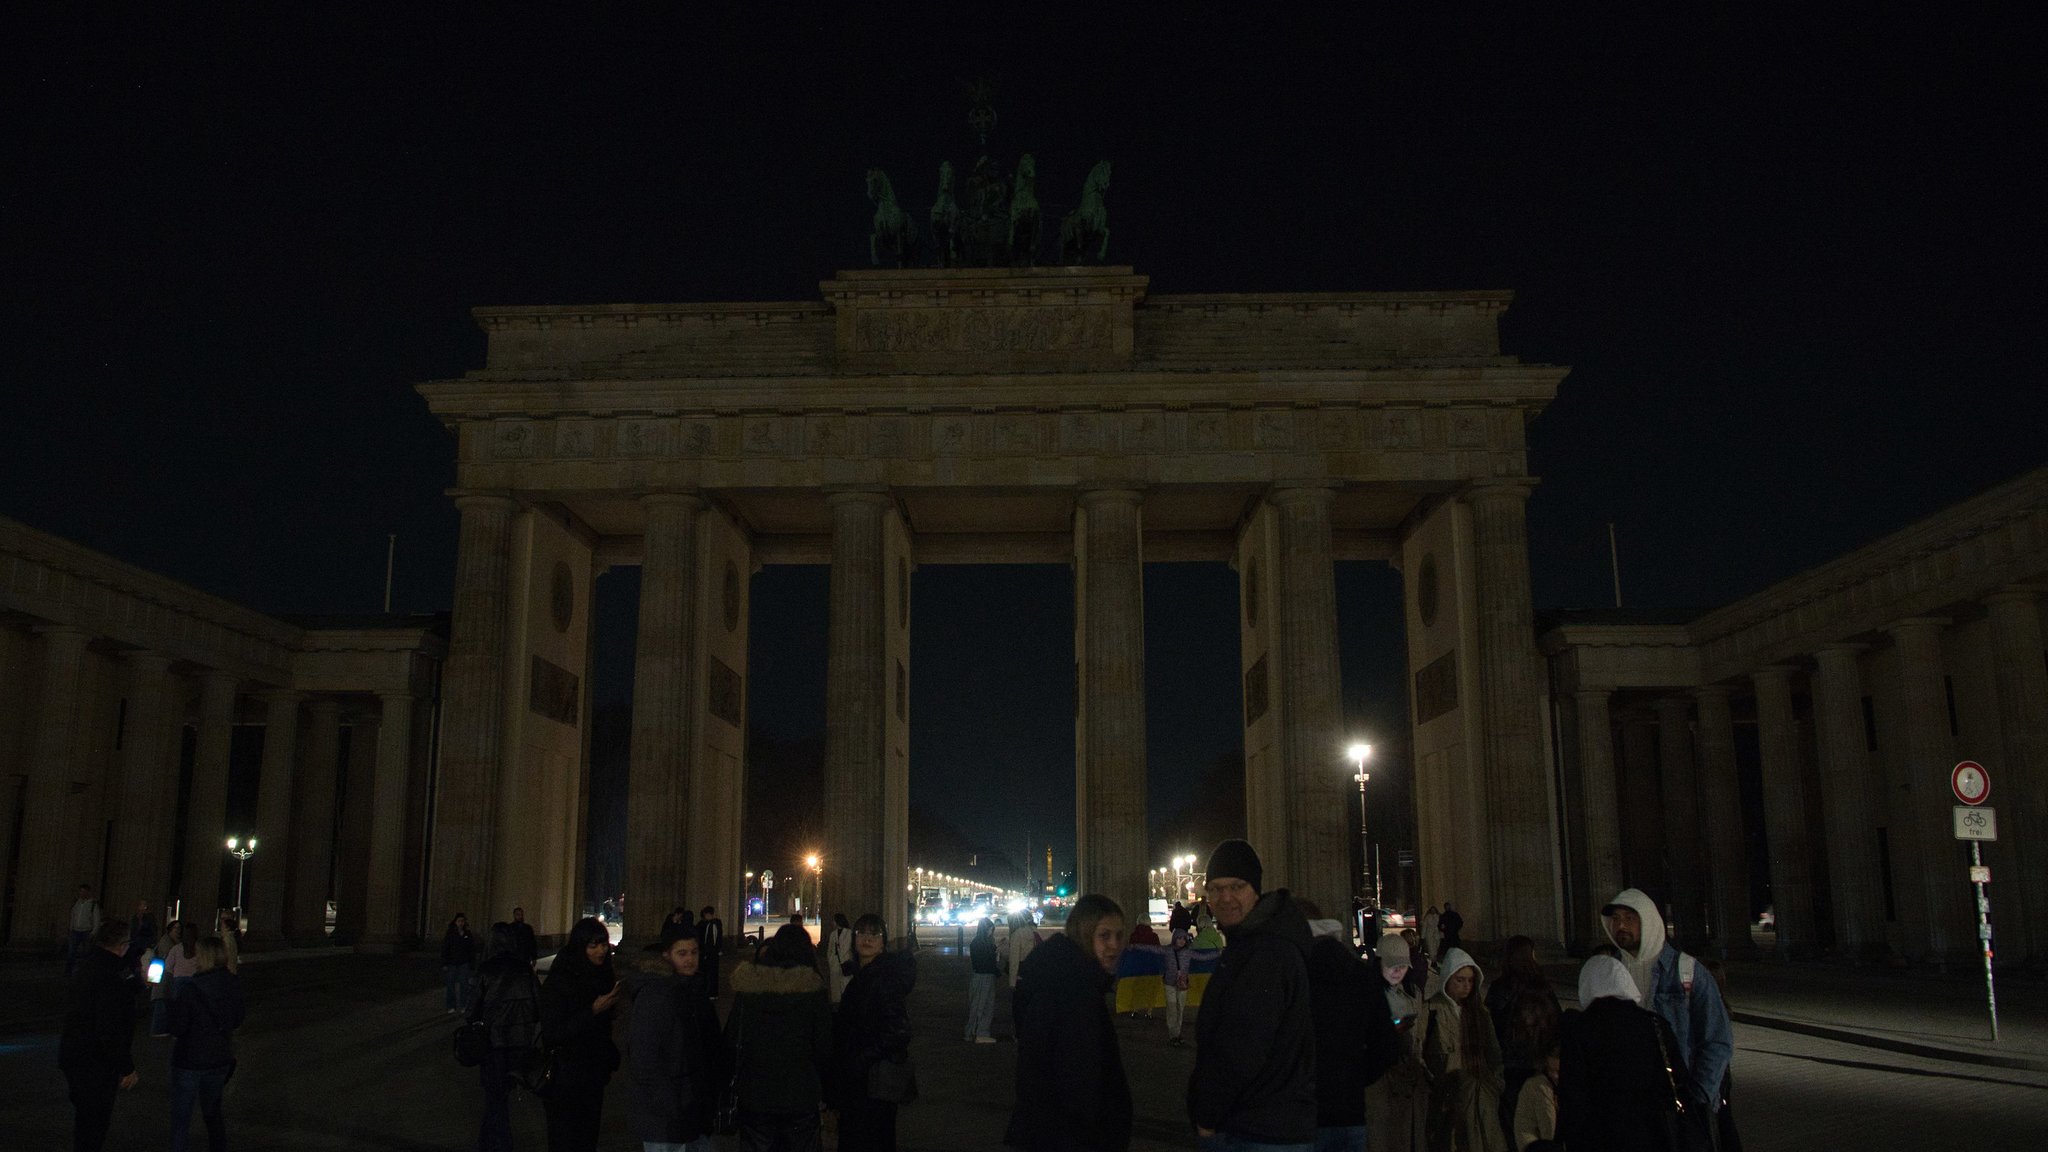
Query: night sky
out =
(1793, 261)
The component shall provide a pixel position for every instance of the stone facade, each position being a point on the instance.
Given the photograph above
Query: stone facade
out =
(1851, 689)
(946, 416)
(118, 685)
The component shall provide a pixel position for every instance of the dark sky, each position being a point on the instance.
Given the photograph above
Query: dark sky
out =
(1793, 259)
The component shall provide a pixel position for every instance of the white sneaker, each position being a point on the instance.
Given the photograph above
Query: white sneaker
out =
(984, 1039)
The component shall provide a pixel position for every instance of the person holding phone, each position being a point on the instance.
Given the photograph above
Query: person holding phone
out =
(1397, 1104)
(576, 1006)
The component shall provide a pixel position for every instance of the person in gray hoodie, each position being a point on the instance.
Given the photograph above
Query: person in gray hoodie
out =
(1672, 984)
(1254, 1080)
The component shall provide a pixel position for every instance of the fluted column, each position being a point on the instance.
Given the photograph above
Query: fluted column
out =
(1311, 699)
(1847, 786)
(268, 869)
(1721, 820)
(384, 892)
(664, 699)
(1642, 811)
(1947, 934)
(142, 848)
(1112, 833)
(1681, 819)
(352, 839)
(2022, 781)
(1784, 810)
(1599, 801)
(43, 884)
(1517, 800)
(856, 699)
(473, 708)
(312, 838)
(206, 809)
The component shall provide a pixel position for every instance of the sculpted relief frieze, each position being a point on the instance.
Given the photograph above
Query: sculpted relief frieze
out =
(981, 331)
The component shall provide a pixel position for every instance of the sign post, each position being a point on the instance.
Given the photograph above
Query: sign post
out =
(1972, 785)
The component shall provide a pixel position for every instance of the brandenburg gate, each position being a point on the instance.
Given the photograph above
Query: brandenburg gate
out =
(943, 416)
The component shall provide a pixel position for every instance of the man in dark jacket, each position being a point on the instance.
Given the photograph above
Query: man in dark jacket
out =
(99, 1027)
(524, 944)
(1355, 1038)
(710, 943)
(1452, 925)
(1254, 1076)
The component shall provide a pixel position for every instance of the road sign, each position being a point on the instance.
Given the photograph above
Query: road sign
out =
(1971, 784)
(1976, 823)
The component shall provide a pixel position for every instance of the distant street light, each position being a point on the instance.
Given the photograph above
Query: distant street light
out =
(1359, 754)
(817, 868)
(241, 852)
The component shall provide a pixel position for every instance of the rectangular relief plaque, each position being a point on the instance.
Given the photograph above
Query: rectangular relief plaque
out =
(723, 691)
(554, 692)
(1436, 687)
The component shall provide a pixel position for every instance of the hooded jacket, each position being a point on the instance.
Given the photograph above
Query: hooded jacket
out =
(1697, 1017)
(1354, 1029)
(1072, 1094)
(780, 1033)
(585, 1055)
(203, 1018)
(873, 1023)
(1255, 1052)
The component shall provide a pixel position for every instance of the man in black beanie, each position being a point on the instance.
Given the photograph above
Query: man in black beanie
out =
(1254, 1079)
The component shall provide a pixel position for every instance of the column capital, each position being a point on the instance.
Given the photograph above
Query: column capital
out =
(276, 697)
(691, 500)
(1092, 497)
(1774, 673)
(482, 498)
(1302, 492)
(146, 660)
(868, 496)
(1719, 692)
(1830, 656)
(1499, 488)
(2015, 594)
(215, 677)
(1917, 623)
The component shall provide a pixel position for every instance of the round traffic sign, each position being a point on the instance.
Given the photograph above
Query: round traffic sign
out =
(1971, 783)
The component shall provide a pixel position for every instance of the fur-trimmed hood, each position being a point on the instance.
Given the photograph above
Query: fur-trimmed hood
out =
(761, 979)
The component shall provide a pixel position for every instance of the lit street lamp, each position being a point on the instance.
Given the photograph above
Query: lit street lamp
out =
(817, 868)
(1359, 754)
(241, 852)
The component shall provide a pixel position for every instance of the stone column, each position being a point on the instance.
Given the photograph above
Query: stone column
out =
(1846, 794)
(1523, 846)
(1111, 652)
(1681, 819)
(1642, 809)
(268, 868)
(473, 708)
(312, 839)
(1310, 685)
(142, 832)
(352, 840)
(1948, 934)
(1784, 810)
(856, 701)
(1600, 805)
(664, 709)
(2022, 781)
(383, 918)
(43, 884)
(1721, 821)
(206, 809)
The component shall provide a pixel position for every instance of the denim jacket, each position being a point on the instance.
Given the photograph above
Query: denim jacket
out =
(1699, 1019)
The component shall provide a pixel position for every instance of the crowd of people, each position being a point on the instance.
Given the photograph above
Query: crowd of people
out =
(1302, 1045)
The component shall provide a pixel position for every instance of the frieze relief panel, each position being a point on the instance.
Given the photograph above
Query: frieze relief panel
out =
(983, 331)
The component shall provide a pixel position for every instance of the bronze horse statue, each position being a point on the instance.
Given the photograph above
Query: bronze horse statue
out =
(1084, 233)
(892, 233)
(1024, 213)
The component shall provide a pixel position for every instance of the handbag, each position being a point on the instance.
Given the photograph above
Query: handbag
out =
(892, 1081)
(1684, 1129)
(472, 1043)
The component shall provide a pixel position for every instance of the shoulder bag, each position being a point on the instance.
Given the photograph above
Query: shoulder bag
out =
(1684, 1131)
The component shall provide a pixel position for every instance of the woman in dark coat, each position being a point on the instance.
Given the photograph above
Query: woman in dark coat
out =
(508, 1003)
(679, 1064)
(780, 1033)
(576, 1024)
(1072, 1094)
(1618, 1068)
(873, 1025)
(204, 1018)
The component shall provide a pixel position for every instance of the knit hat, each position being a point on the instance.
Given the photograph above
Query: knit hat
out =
(1393, 951)
(1235, 858)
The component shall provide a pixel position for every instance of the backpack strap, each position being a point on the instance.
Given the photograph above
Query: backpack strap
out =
(1687, 969)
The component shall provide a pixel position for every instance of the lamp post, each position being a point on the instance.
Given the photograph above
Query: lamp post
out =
(817, 868)
(241, 852)
(1359, 754)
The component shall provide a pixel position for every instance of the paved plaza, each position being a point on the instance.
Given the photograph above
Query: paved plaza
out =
(349, 1052)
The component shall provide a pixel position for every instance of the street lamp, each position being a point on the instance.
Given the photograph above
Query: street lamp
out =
(746, 901)
(241, 852)
(1359, 754)
(818, 873)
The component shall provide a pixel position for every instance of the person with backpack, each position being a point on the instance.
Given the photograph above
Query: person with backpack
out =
(678, 1067)
(576, 1006)
(507, 1003)
(203, 1019)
